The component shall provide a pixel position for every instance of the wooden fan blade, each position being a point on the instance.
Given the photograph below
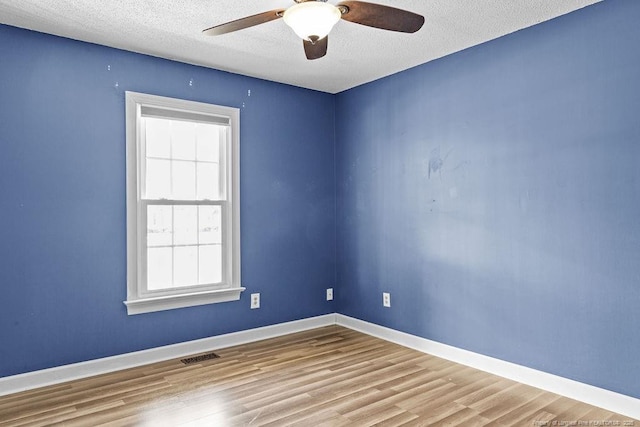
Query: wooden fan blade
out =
(242, 23)
(317, 49)
(379, 16)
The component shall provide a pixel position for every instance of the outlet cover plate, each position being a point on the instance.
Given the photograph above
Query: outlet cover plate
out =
(329, 294)
(255, 301)
(386, 299)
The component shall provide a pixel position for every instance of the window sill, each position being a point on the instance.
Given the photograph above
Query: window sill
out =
(148, 305)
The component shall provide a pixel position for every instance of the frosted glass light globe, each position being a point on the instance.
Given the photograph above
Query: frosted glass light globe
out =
(312, 18)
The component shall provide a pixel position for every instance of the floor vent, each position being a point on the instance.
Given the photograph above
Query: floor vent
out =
(201, 358)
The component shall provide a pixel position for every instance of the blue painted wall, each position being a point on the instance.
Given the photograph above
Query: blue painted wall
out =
(496, 194)
(62, 195)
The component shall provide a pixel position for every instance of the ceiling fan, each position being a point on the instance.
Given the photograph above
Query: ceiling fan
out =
(312, 20)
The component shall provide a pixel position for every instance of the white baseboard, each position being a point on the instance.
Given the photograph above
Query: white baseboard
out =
(60, 374)
(615, 402)
(609, 400)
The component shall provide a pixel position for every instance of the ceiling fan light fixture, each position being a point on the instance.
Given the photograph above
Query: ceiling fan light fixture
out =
(312, 20)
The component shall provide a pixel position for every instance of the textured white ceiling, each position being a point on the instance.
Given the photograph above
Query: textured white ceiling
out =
(356, 55)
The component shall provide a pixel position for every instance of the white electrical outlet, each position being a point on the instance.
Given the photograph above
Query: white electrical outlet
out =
(329, 294)
(255, 301)
(386, 299)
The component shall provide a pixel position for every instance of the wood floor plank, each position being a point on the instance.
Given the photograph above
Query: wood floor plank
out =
(461, 416)
(519, 415)
(438, 414)
(327, 377)
(404, 418)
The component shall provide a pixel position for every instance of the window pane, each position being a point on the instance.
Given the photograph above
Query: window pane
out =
(208, 181)
(159, 226)
(208, 143)
(210, 270)
(186, 266)
(159, 268)
(158, 180)
(183, 140)
(158, 137)
(210, 224)
(184, 180)
(185, 225)
(181, 227)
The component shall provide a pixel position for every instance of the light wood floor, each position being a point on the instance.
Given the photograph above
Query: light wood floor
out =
(325, 377)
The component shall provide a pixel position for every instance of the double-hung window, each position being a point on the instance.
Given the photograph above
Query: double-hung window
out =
(183, 230)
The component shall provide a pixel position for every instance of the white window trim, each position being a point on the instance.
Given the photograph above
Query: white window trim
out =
(136, 302)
